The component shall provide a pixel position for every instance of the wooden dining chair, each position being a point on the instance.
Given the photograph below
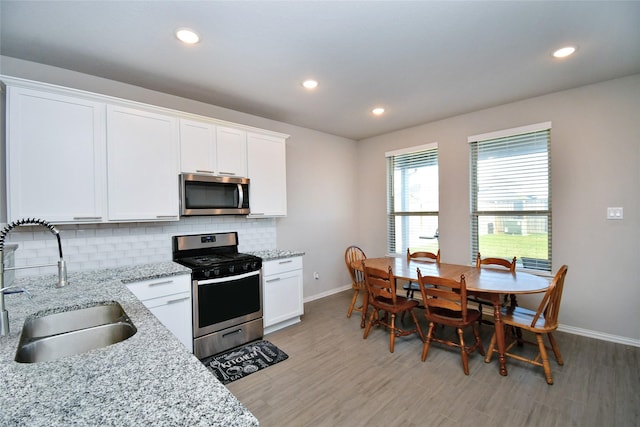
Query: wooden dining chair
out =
(493, 262)
(411, 287)
(445, 302)
(381, 287)
(353, 257)
(543, 321)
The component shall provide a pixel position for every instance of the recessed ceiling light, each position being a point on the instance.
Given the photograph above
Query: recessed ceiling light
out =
(378, 111)
(310, 84)
(187, 36)
(564, 52)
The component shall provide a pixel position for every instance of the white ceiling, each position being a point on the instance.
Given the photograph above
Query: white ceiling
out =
(421, 60)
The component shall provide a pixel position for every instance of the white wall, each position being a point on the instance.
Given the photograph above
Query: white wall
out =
(320, 181)
(595, 155)
(337, 189)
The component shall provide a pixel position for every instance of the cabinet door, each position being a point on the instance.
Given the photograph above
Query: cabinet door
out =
(55, 157)
(282, 297)
(174, 312)
(231, 151)
(266, 167)
(142, 165)
(197, 147)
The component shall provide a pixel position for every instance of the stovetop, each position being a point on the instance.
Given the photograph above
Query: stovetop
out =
(206, 261)
(213, 255)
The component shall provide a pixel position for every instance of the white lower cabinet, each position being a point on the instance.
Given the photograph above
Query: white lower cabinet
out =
(169, 299)
(282, 291)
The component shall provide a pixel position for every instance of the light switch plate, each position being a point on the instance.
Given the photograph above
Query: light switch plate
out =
(615, 213)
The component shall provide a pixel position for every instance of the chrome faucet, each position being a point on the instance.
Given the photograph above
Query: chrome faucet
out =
(62, 266)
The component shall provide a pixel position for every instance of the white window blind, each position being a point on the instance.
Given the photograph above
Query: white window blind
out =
(412, 199)
(511, 196)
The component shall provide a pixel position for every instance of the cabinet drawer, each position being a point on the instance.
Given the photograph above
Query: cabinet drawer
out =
(155, 288)
(281, 265)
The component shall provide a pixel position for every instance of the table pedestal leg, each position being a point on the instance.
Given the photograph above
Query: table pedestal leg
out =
(497, 320)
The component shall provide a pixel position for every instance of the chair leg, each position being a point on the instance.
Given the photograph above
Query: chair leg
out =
(353, 302)
(392, 338)
(463, 352)
(369, 323)
(418, 328)
(545, 359)
(492, 345)
(556, 349)
(478, 344)
(427, 341)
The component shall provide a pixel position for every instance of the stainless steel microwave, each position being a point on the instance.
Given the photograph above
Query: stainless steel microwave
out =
(213, 195)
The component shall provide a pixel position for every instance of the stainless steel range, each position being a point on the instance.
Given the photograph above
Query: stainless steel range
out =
(226, 290)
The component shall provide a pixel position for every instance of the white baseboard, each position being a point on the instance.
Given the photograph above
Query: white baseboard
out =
(599, 335)
(327, 293)
(562, 328)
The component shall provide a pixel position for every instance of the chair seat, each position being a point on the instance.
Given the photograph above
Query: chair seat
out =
(522, 318)
(444, 316)
(359, 285)
(402, 304)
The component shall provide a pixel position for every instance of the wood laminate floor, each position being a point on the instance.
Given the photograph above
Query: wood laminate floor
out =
(335, 378)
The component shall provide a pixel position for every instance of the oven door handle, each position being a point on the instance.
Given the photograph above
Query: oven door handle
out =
(228, 278)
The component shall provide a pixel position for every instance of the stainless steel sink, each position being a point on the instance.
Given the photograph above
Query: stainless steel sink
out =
(72, 332)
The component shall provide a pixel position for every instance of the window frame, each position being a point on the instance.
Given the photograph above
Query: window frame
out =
(392, 241)
(501, 138)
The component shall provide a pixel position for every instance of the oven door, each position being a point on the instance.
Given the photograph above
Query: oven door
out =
(225, 302)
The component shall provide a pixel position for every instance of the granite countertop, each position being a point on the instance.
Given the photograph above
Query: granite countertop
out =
(271, 254)
(148, 379)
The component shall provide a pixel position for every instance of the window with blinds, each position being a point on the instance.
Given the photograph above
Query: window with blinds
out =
(412, 199)
(511, 195)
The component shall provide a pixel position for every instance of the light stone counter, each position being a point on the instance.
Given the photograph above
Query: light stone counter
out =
(271, 254)
(148, 379)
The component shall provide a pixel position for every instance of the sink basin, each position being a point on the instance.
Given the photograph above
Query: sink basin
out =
(72, 332)
(73, 320)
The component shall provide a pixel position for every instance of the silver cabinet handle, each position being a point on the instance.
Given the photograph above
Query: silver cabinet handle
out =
(173, 301)
(86, 218)
(164, 282)
(204, 171)
(274, 280)
(226, 173)
(286, 262)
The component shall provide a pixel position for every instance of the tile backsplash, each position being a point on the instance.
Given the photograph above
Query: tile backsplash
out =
(95, 246)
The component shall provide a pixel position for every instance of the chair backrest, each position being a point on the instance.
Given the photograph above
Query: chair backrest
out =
(381, 284)
(423, 254)
(550, 304)
(440, 292)
(509, 265)
(352, 257)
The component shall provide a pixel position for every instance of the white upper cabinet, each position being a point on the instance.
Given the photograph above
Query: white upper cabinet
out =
(212, 149)
(55, 156)
(79, 157)
(197, 147)
(142, 167)
(231, 151)
(266, 158)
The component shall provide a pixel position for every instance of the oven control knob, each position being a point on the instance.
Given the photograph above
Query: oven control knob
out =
(216, 271)
(245, 266)
(232, 268)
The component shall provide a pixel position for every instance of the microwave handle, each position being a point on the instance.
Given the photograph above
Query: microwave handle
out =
(240, 196)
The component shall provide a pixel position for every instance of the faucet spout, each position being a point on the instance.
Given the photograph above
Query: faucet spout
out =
(62, 265)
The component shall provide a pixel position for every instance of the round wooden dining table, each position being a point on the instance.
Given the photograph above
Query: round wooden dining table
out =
(487, 283)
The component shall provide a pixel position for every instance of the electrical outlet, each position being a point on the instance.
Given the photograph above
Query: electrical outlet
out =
(316, 275)
(615, 213)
